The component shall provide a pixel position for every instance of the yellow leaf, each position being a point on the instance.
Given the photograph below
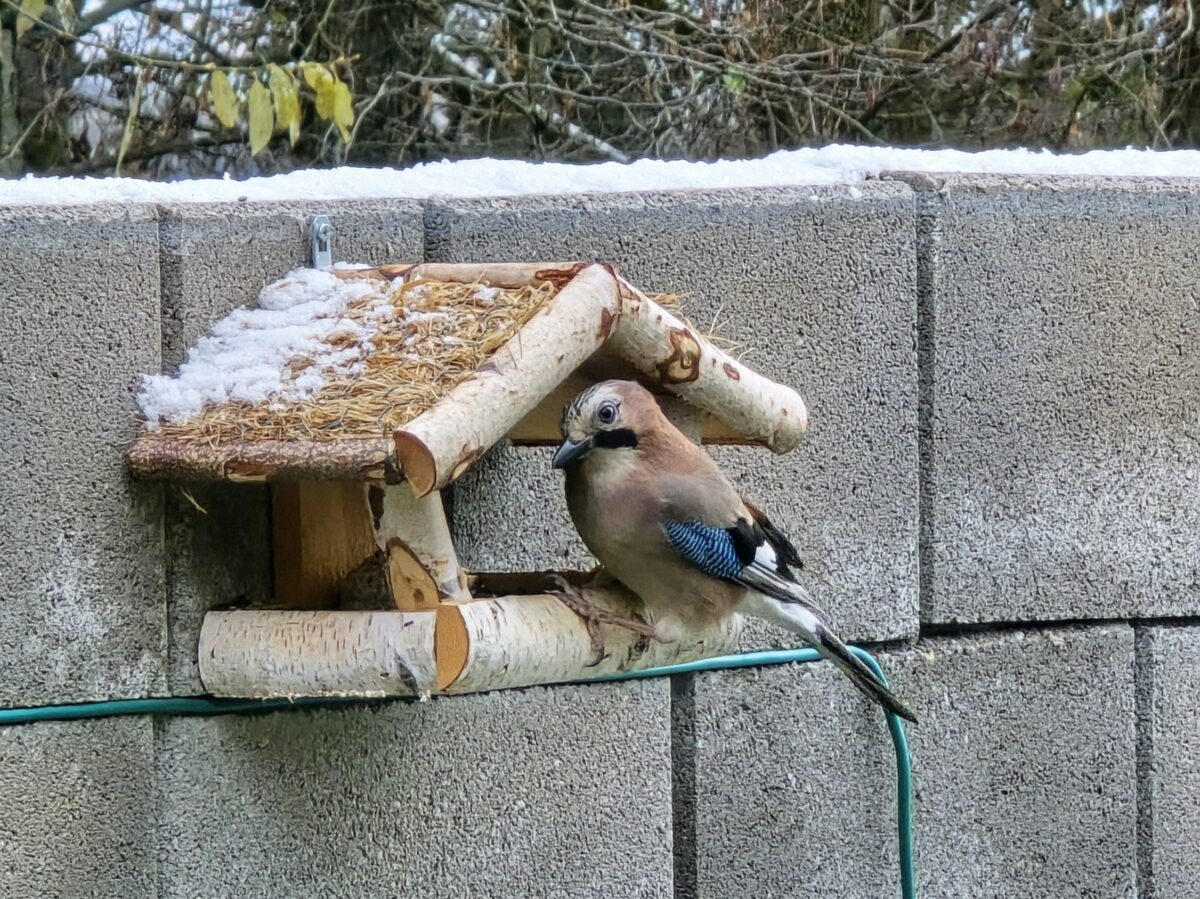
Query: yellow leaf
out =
(324, 102)
(29, 12)
(343, 110)
(294, 131)
(262, 119)
(333, 101)
(287, 102)
(318, 77)
(224, 103)
(321, 80)
(66, 12)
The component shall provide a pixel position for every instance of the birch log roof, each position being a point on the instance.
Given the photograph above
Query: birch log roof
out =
(510, 342)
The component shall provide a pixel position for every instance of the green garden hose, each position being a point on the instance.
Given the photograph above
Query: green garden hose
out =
(203, 705)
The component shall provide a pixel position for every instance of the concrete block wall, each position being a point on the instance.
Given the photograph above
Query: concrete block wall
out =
(1065, 358)
(1024, 769)
(79, 810)
(999, 494)
(81, 584)
(543, 793)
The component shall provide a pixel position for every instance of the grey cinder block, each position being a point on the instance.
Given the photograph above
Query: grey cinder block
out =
(1023, 764)
(1169, 761)
(219, 538)
(558, 793)
(77, 810)
(217, 257)
(818, 287)
(515, 484)
(81, 585)
(1065, 430)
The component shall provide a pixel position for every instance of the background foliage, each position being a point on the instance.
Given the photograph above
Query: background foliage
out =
(195, 87)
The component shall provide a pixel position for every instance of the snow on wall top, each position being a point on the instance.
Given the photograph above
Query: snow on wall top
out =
(838, 164)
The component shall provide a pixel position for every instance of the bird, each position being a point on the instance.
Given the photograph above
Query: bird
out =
(662, 519)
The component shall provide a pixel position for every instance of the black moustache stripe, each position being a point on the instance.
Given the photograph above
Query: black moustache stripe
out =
(618, 438)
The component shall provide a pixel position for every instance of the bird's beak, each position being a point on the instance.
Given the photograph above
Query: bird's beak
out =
(570, 451)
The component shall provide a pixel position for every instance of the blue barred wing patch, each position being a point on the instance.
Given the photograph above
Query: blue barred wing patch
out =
(709, 548)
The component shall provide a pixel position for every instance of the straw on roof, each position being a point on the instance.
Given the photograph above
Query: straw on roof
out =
(425, 337)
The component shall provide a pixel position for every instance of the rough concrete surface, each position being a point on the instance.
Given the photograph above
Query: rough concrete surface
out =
(1023, 765)
(1168, 762)
(819, 287)
(217, 257)
(560, 793)
(81, 585)
(77, 810)
(219, 536)
(1066, 328)
(515, 484)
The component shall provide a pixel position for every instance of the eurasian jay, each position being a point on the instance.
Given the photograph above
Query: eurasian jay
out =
(661, 518)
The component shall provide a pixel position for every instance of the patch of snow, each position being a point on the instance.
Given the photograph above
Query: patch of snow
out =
(418, 317)
(247, 355)
(436, 115)
(838, 164)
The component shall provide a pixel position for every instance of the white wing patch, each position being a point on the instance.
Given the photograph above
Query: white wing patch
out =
(765, 557)
(791, 615)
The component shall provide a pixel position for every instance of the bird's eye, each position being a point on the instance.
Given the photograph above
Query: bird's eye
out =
(607, 413)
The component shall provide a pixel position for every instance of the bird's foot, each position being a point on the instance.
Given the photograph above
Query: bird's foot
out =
(593, 616)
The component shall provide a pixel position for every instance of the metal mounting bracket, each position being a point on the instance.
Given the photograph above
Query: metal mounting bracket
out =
(320, 236)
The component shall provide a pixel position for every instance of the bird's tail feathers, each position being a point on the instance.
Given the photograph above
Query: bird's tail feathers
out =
(776, 588)
(797, 614)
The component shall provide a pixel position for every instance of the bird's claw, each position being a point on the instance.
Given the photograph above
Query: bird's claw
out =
(593, 616)
(570, 596)
(597, 639)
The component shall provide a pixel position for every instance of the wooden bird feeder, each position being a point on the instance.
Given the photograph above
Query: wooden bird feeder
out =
(370, 597)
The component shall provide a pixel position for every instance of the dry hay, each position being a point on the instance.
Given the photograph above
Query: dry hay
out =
(413, 361)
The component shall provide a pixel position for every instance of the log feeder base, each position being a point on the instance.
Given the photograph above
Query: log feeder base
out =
(460, 647)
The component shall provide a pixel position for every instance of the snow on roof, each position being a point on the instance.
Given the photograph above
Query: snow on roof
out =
(322, 357)
(838, 164)
(246, 356)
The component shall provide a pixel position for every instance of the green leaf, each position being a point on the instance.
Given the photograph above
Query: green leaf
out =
(262, 117)
(29, 12)
(224, 101)
(1073, 91)
(287, 101)
(734, 80)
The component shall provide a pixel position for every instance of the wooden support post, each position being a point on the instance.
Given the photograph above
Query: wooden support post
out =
(322, 532)
(422, 566)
